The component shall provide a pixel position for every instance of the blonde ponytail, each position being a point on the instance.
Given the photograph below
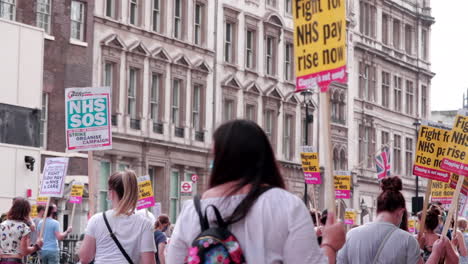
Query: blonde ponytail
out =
(125, 184)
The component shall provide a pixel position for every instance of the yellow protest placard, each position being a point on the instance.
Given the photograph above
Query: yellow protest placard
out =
(319, 43)
(456, 157)
(430, 151)
(412, 225)
(145, 193)
(41, 200)
(33, 213)
(442, 192)
(350, 217)
(454, 180)
(76, 195)
(310, 165)
(342, 181)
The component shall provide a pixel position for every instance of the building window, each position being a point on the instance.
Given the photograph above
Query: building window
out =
(228, 110)
(175, 114)
(174, 196)
(367, 22)
(424, 101)
(43, 124)
(288, 62)
(250, 49)
(132, 93)
(288, 137)
(397, 154)
(156, 81)
(408, 39)
(385, 29)
(269, 125)
(424, 44)
(250, 113)
(385, 89)
(397, 92)
(409, 156)
(288, 6)
(396, 33)
(366, 145)
(156, 16)
(43, 8)
(77, 20)
(199, 21)
(269, 55)
(367, 81)
(111, 80)
(111, 8)
(196, 107)
(178, 19)
(8, 9)
(271, 3)
(409, 97)
(385, 138)
(343, 160)
(336, 160)
(228, 42)
(103, 188)
(134, 12)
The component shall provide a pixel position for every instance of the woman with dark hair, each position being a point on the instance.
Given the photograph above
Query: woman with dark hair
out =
(382, 241)
(15, 234)
(404, 221)
(160, 238)
(270, 224)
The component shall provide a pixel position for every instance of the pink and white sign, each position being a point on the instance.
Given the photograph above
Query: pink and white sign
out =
(145, 193)
(53, 177)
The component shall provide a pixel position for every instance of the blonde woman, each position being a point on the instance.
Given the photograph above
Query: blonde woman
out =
(133, 234)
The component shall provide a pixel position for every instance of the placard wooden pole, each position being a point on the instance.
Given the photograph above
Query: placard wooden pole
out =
(422, 224)
(41, 232)
(72, 215)
(455, 224)
(338, 213)
(326, 140)
(452, 207)
(314, 200)
(91, 185)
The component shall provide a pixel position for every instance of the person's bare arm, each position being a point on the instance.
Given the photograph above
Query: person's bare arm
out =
(25, 248)
(87, 250)
(459, 243)
(333, 238)
(438, 251)
(162, 256)
(62, 235)
(451, 255)
(147, 258)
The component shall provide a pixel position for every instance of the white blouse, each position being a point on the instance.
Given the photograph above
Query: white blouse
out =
(278, 229)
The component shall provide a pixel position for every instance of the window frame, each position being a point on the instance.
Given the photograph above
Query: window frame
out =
(175, 108)
(200, 25)
(397, 93)
(156, 16)
(409, 156)
(132, 98)
(12, 9)
(80, 22)
(43, 121)
(178, 20)
(386, 89)
(409, 98)
(250, 63)
(396, 34)
(288, 136)
(288, 61)
(158, 101)
(196, 110)
(46, 14)
(408, 39)
(397, 154)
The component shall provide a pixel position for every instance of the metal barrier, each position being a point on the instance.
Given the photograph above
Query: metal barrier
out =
(68, 249)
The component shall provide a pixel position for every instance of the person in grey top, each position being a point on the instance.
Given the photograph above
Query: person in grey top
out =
(382, 241)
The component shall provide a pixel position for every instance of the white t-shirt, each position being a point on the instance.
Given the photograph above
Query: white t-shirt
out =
(278, 229)
(134, 232)
(146, 213)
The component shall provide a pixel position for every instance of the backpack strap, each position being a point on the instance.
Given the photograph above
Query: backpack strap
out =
(382, 244)
(112, 235)
(219, 219)
(204, 225)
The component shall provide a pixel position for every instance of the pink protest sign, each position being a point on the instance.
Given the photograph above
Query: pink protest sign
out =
(310, 165)
(145, 193)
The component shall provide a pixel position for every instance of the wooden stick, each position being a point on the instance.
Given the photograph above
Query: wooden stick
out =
(91, 185)
(41, 232)
(72, 215)
(338, 213)
(422, 224)
(314, 200)
(453, 208)
(329, 185)
(455, 225)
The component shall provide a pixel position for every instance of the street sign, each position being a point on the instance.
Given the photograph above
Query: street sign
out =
(87, 118)
(186, 187)
(53, 179)
(194, 178)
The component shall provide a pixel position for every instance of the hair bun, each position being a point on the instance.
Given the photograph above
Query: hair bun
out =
(392, 184)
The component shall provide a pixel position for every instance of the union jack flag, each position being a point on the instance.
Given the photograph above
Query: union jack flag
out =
(382, 163)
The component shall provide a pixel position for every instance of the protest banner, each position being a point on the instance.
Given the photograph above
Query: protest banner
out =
(53, 181)
(453, 183)
(455, 154)
(33, 213)
(145, 193)
(412, 225)
(41, 200)
(350, 217)
(76, 194)
(310, 165)
(319, 43)
(430, 151)
(342, 184)
(87, 118)
(442, 192)
(157, 210)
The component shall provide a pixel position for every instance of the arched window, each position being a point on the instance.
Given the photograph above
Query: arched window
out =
(336, 160)
(343, 160)
(335, 106)
(342, 108)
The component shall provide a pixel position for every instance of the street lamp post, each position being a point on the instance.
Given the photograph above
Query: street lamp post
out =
(416, 125)
(309, 118)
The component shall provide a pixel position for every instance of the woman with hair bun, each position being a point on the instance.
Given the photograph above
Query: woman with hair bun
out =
(382, 241)
(133, 232)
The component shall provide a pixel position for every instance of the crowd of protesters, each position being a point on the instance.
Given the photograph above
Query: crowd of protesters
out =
(246, 204)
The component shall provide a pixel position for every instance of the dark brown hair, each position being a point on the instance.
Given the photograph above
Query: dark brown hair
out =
(162, 220)
(391, 198)
(40, 208)
(19, 210)
(432, 218)
(404, 221)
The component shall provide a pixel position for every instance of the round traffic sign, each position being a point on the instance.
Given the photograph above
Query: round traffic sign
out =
(186, 187)
(194, 178)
